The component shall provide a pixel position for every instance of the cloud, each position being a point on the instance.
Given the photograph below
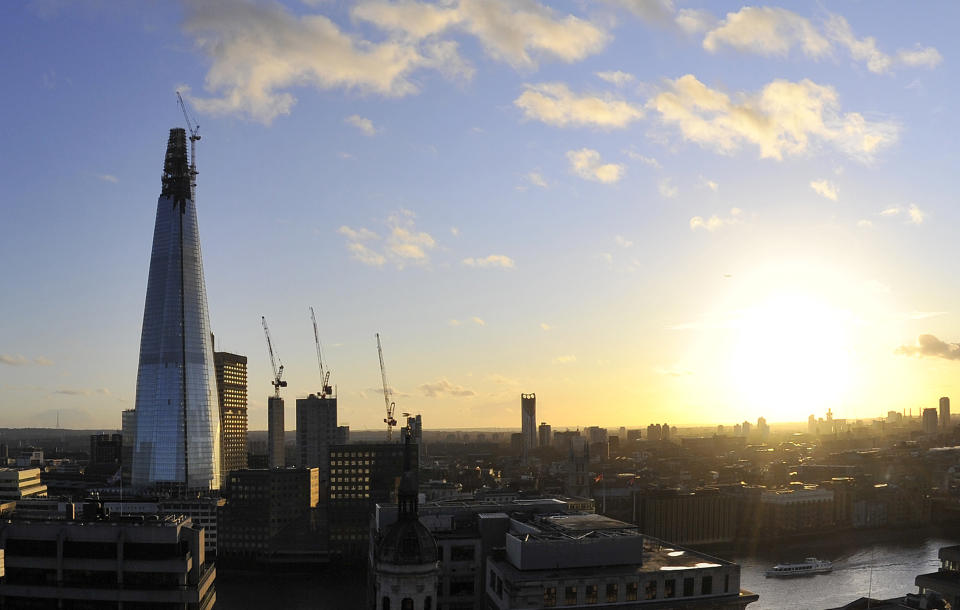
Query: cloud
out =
(824, 188)
(108, 178)
(710, 184)
(667, 189)
(616, 77)
(876, 286)
(863, 223)
(913, 213)
(694, 21)
(891, 211)
(21, 360)
(921, 57)
(622, 241)
(493, 260)
(536, 179)
(555, 104)
(361, 123)
(83, 392)
(672, 371)
(652, 162)
(545, 326)
(478, 321)
(586, 164)
(403, 245)
(923, 315)
(443, 388)
(783, 118)
(716, 222)
(929, 345)
(565, 359)
(657, 11)
(767, 31)
(454, 322)
(455, 231)
(861, 49)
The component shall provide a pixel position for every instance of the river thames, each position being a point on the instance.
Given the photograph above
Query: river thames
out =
(882, 564)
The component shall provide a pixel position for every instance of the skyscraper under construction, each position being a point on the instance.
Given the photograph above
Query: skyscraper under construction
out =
(178, 423)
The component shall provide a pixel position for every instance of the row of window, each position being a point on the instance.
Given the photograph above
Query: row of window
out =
(611, 590)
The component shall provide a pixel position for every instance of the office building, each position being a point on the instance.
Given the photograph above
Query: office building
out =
(945, 413)
(276, 445)
(929, 421)
(20, 483)
(128, 429)
(268, 511)
(178, 426)
(591, 561)
(231, 372)
(106, 563)
(106, 449)
(203, 513)
(545, 434)
(415, 430)
(316, 432)
(528, 414)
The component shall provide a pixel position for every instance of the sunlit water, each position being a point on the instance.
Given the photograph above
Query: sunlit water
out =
(884, 568)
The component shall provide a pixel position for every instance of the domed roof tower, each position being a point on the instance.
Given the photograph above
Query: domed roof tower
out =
(406, 558)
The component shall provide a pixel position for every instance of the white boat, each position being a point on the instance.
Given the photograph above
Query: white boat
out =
(811, 565)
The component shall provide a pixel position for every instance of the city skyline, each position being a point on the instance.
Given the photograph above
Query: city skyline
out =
(659, 212)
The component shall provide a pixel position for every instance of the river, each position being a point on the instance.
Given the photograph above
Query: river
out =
(883, 564)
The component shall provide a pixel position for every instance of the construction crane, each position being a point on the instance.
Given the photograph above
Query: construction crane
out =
(387, 394)
(277, 372)
(194, 136)
(325, 389)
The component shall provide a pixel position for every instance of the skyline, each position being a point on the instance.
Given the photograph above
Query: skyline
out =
(650, 210)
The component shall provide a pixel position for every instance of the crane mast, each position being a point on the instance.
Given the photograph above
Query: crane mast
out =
(387, 393)
(194, 136)
(277, 372)
(325, 389)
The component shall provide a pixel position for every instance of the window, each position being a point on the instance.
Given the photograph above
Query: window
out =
(428, 603)
(591, 596)
(726, 583)
(670, 588)
(632, 589)
(612, 591)
(549, 597)
(439, 552)
(461, 553)
(386, 603)
(569, 596)
(493, 578)
(687, 587)
(706, 585)
(406, 604)
(649, 590)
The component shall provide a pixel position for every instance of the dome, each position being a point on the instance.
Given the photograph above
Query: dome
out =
(408, 542)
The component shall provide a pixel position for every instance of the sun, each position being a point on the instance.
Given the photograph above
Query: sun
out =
(791, 357)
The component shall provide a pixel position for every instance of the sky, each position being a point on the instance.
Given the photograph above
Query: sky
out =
(641, 210)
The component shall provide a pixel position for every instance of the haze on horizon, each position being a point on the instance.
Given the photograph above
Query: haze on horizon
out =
(640, 210)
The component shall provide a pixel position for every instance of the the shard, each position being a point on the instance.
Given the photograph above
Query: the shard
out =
(178, 426)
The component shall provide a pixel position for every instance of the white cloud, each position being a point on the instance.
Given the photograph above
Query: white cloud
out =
(586, 163)
(622, 241)
(455, 231)
(651, 161)
(825, 188)
(616, 77)
(716, 222)
(555, 104)
(108, 178)
(922, 57)
(766, 30)
(916, 214)
(494, 260)
(415, 19)
(363, 124)
(667, 188)
(536, 179)
(710, 184)
(366, 255)
(861, 49)
(545, 326)
(403, 245)
(21, 360)
(863, 223)
(565, 359)
(360, 234)
(606, 257)
(42, 361)
(923, 315)
(443, 388)
(890, 211)
(783, 118)
(478, 321)
(657, 11)
(694, 21)
(454, 322)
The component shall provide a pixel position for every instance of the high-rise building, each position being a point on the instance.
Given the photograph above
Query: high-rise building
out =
(545, 434)
(316, 431)
(105, 448)
(929, 421)
(528, 408)
(231, 370)
(178, 426)
(276, 447)
(945, 413)
(128, 424)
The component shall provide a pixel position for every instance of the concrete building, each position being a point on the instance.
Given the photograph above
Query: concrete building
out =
(128, 429)
(106, 449)
(20, 483)
(946, 580)
(528, 420)
(107, 563)
(701, 516)
(316, 432)
(267, 511)
(204, 513)
(178, 424)
(945, 413)
(276, 445)
(545, 435)
(796, 511)
(929, 421)
(591, 561)
(231, 371)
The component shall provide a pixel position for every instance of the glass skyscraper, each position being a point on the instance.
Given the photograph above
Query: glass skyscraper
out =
(178, 423)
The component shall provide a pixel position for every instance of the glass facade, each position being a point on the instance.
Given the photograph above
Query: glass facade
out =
(178, 422)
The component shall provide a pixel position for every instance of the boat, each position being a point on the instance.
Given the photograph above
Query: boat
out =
(810, 565)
